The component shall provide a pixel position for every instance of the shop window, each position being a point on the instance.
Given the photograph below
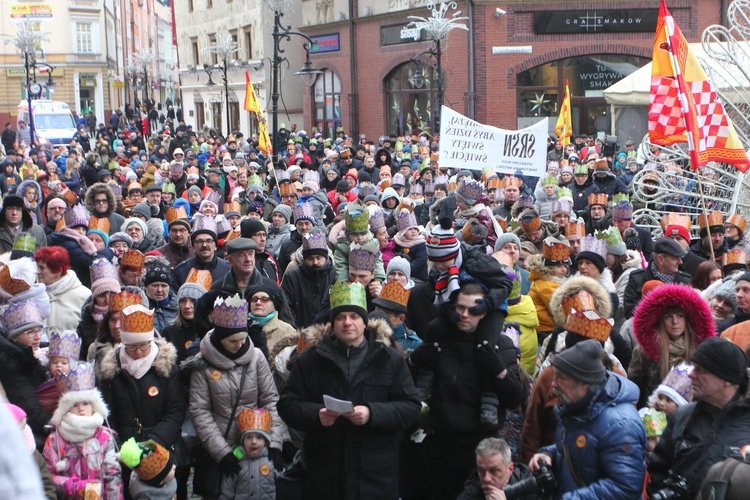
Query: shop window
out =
(327, 103)
(411, 98)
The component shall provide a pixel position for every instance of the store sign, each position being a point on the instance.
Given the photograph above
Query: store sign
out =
(396, 35)
(595, 21)
(21, 72)
(325, 43)
(23, 11)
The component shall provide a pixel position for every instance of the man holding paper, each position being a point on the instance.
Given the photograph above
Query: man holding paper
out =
(352, 366)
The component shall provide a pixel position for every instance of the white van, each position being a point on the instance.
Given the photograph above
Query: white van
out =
(53, 120)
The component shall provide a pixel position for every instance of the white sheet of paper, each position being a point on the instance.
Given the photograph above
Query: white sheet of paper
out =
(337, 405)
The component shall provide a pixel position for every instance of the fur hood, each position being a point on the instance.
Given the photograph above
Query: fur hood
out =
(100, 188)
(574, 285)
(649, 311)
(435, 211)
(297, 259)
(537, 269)
(25, 184)
(70, 398)
(163, 364)
(377, 330)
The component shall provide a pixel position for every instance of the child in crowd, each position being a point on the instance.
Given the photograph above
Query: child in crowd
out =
(547, 272)
(257, 477)
(153, 470)
(63, 352)
(655, 422)
(410, 241)
(356, 231)
(675, 390)
(549, 194)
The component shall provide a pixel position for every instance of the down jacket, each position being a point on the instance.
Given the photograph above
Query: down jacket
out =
(115, 219)
(606, 443)
(66, 299)
(214, 381)
(345, 460)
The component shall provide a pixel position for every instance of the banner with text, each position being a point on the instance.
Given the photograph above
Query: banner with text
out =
(465, 143)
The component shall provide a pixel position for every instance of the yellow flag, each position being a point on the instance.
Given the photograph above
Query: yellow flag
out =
(252, 104)
(564, 126)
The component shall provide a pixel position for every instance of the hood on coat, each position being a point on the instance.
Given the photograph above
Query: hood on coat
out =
(163, 364)
(535, 263)
(337, 231)
(100, 188)
(70, 398)
(652, 307)
(574, 285)
(22, 187)
(615, 390)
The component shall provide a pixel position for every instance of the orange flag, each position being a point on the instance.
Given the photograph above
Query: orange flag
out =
(684, 105)
(564, 126)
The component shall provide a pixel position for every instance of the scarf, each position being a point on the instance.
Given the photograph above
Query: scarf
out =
(57, 285)
(137, 368)
(99, 312)
(667, 279)
(400, 241)
(448, 282)
(262, 320)
(77, 428)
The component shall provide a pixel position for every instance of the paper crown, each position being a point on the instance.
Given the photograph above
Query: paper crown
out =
(469, 190)
(673, 219)
(230, 313)
(255, 420)
(362, 259)
(654, 421)
(593, 245)
(405, 220)
(19, 316)
(76, 216)
(345, 153)
(564, 207)
(588, 324)
(168, 187)
(581, 169)
(510, 330)
(124, 299)
(137, 320)
(622, 210)
(24, 245)
(524, 201)
(502, 222)
(550, 180)
(713, 218)
(452, 186)
(555, 250)
(601, 164)
(611, 236)
(222, 225)
(345, 294)
(303, 211)
(70, 196)
(99, 224)
(509, 181)
(117, 190)
(677, 385)
(133, 259)
(357, 219)
(580, 301)
(102, 269)
(735, 258)
(80, 378)
(620, 197)
(148, 459)
(416, 189)
(314, 240)
(214, 197)
(66, 344)
(598, 199)
(564, 193)
(504, 259)
(311, 175)
(231, 208)
(174, 213)
(493, 183)
(393, 296)
(529, 221)
(286, 188)
(134, 185)
(201, 278)
(383, 185)
(737, 220)
(204, 223)
(377, 219)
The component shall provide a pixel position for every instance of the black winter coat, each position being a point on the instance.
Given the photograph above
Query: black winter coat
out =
(581, 194)
(180, 337)
(229, 284)
(287, 249)
(633, 290)
(80, 261)
(305, 289)
(345, 460)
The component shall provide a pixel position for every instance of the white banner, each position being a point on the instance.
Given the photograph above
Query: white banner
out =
(465, 143)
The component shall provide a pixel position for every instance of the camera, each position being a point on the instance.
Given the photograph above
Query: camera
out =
(542, 483)
(672, 488)
(609, 146)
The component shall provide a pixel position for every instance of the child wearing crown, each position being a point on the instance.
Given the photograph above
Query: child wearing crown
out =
(356, 232)
(257, 476)
(80, 452)
(546, 273)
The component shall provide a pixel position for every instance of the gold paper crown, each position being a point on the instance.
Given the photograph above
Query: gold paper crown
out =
(99, 223)
(503, 223)
(493, 183)
(152, 464)
(504, 259)
(598, 199)
(12, 285)
(601, 164)
(557, 252)
(532, 224)
(581, 301)
(135, 185)
(384, 184)
(201, 278)
(250, 419)
(345, 153)
(588, 324)
(424, 149)
(452, 186)
(345, 294)
(192, 171)
(137, 319)
(60, 224)
(123, 299)
(232, 207)
(132, 258)
(737, 220)
(714, 218)
(673, 219)
(509, 180)
(286, 188)
(434, 156)
(69, 195)
(357, 220)
(734, 257)
(174, 213)
(395, 292)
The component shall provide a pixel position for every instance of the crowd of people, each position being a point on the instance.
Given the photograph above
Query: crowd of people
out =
(358, 321)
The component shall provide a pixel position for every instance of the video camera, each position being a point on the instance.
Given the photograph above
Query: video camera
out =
(542, 483)
(673, 487)
(609, 146)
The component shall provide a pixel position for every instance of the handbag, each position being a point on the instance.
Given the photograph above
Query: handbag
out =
(207, 474)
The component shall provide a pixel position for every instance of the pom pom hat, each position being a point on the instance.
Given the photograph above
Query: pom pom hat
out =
(442, 244)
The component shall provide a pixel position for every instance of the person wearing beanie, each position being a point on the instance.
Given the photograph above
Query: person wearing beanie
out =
(723, 300)
(279, 230)
(409, 241)
(341, 194)
(120, 242)
(265, 302)
(593, 403)
(510, 244)
(717, 419)
(194, 195)
(137, 229)
(14, 218)
(161, 298)
(377, 417)
(181, 333)
(399, 270)
(264, 261)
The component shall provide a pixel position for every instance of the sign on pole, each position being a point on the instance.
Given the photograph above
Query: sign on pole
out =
(465, 143)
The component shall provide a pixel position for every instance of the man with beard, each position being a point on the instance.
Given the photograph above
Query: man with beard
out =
(178, 248)
(54, 207)
(598, 218)
(306, 285)
(264, 261)
(600, 444)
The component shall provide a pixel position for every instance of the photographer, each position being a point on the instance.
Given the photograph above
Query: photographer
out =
(494, 472)
(600, 441)
(701, 432)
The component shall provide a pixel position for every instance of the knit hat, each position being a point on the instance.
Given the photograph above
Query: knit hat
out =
(631, 239)
(315, 242)
(21, 316)
(76, 216)
(345, 297)
(284, 210)
(583, 362)
(255, 420)
(654, 421)
(195, 189)
(121, 236)
(137, 324)
(399, 263)
(677, 385)
(722, 358)
(103, 277)
(728, 292)
(196, 284)
(143, 209)
(132, 220)
(442, 244)
(104, 236)
(594, 250)
(506, 238)
(250, 227)
(157, 273)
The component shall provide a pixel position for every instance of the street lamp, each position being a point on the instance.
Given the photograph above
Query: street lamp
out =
(308, 72)
(142, 60)
(224, 48)
(437, 28)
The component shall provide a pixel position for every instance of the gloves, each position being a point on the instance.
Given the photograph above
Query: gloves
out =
(230, 465)
(71, 487)
(488, 357)
(482, 307)
(277, 458)
(426, 353)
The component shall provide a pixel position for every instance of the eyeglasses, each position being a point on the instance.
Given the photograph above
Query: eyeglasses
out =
(262, 300)
(203, 242)
(132, 276)
(56, 209)
(33, 332)
(139, 347)
(260, 235)
(101, 202)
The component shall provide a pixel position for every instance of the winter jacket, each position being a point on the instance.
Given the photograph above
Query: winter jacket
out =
(633, 290)
(36, 231)
(176, 254)
(540, 292)
(66, 299)
(581, 194)
(539, 420)
(229, 285)
(698, 436)
(35, 210)
(214, 381)
(80, 261)
(606, 443)
(276, 237)
(610, 184)
(341, 258)
(152, 407)
(287, 249)
(525, 315)
(115, 219)
(217, 266)
(473, 486)
(180, 337)
(304, 288)
(276, 330)
(93, 460)
(266, 264)
(255, 481)
(345, 460)
(20, 374)
(164, 312)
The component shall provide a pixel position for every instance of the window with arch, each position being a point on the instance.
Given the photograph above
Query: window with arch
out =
(327, 103)
(411, 98)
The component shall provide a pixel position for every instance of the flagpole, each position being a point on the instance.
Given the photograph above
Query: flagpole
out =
(705, 214)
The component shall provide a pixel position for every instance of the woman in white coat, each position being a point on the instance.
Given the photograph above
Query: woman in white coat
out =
(65, 291)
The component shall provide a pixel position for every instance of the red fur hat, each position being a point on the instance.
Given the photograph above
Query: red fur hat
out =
(653, 306)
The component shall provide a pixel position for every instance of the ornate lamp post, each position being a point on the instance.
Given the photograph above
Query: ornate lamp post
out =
(142, 60)
(224, 48)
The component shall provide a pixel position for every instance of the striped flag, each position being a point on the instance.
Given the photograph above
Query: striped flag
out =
(564, 126)
(684, 105)
(252, 104)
